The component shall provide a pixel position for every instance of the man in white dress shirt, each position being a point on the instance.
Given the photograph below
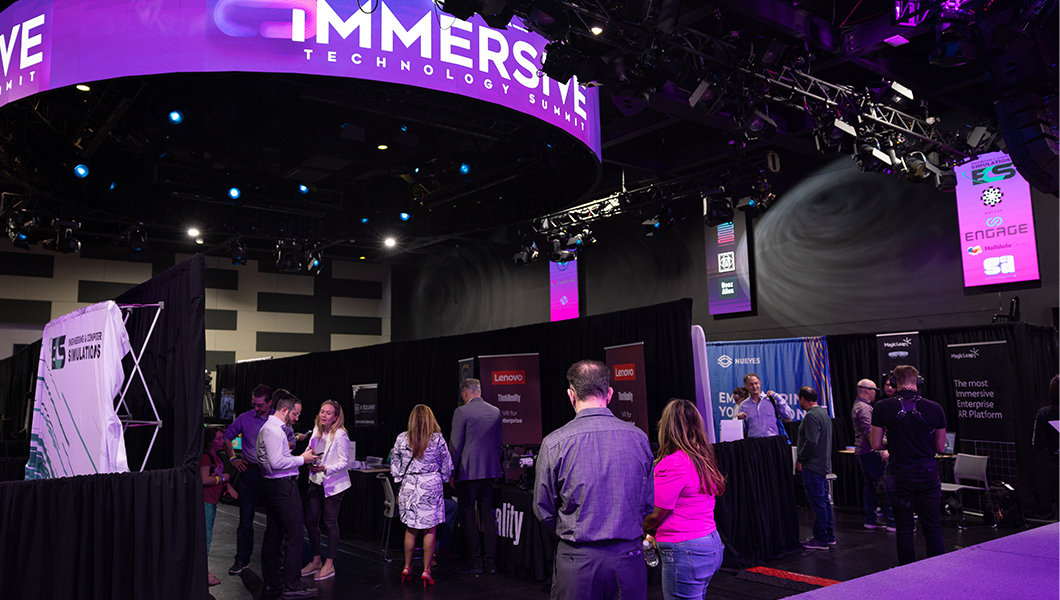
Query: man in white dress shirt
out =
(283, 505)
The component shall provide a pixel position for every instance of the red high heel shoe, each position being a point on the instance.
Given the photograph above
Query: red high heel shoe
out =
(406, 575)
(427, 579)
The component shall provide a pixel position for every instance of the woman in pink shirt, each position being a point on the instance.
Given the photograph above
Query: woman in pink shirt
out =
(687, 480)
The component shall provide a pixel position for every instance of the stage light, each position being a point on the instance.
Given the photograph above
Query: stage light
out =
(461, 9)
(465, 168)
(772, 53)
(234, 193)
(560, 253)
(382, 146)
(82, 87)
(364, 220)
(527, 254)
(549, 18)
(560, 62)
(314, 261)
(22, 231)
(238, 252)
(81, 171)
(759, 125)
(113, 186)
(662, 221)
(892, 94)
(956, 47)
(389, 242)
(596, 29)
(404, 216)
(193, 232)
(288, 256)
(870, 157)
(303, 189)
(581, 239)
(64, 240)
(200, 241)
(176, 117)
(717, 211)
(138, 240)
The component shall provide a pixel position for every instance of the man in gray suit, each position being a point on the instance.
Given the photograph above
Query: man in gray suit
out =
(475, 446)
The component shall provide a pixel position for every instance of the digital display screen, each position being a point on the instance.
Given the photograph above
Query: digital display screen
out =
(996, 222)
(563, 289)
(49, 44)
(728, 267)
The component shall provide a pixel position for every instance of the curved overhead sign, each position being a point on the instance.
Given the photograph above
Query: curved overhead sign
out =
(48, 44)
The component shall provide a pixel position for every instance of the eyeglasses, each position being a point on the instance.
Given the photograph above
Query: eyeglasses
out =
(865, 387)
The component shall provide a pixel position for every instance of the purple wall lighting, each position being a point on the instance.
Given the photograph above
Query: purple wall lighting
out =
(51, 44)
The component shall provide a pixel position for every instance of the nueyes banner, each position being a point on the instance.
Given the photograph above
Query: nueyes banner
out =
(48, 44)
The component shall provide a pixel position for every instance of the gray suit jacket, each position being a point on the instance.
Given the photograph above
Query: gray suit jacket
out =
(475, 443)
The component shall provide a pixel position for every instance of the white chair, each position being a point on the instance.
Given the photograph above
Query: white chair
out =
(389, 510)
(831, 477)
(968, 467)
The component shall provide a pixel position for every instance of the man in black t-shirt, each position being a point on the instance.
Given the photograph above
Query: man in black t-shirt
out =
(916, 431)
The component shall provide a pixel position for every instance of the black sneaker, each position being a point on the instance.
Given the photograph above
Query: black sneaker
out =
(815, 544)
(302, 593)
(237, 568)
(491, 567)
(469, 568)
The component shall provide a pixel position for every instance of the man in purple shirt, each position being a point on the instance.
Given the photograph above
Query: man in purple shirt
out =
(248, 424)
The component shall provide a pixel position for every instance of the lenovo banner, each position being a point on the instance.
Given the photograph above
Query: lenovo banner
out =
(630, 400)
(511, 382)
(895, 349)
(782, 365)
(980, 374)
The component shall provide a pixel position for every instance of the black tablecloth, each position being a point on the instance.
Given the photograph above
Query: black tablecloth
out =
(361, 511)
(849, 483)
(536, 547)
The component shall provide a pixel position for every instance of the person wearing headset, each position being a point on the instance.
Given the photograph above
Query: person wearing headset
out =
(916, 432)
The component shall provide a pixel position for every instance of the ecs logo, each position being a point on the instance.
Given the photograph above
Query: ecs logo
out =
(974, 250)
(58, 352)
(994, 173)
(997, 265)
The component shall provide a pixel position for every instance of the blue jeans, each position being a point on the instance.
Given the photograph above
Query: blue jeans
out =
(872, 469)
(688, 566)
(816, 486)
(211, 512)
(920, 491)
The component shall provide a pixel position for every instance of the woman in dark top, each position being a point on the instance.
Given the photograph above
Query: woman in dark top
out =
(214, 482)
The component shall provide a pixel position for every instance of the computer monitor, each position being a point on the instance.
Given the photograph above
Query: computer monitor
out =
(951, 440)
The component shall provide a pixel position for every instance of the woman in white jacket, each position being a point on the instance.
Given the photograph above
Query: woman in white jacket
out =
(327, 482)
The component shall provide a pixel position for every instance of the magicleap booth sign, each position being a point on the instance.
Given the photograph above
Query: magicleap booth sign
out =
(980, 375)
(76, 430)
(895, 349)
(630, 399)
(50, 44)
(782, 365)
(511, 383)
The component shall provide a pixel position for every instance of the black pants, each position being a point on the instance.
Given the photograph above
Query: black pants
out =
(317, 502)
(469, 493)
(283, 534)
(249, 492)
(919, 491)
(600, 571)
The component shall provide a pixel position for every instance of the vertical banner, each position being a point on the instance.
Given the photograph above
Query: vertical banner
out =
(76, 430)
(465, 368)
(563, 290)
(782, 365)
(630, 400)
(980, 375)
(365, 411)
(895, 349)
(228, 404)
(511, 382)
(729, 266)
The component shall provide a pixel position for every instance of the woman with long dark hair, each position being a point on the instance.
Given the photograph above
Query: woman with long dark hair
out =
(214, 482)
(328, 480)
(687, 481)
(422, 465)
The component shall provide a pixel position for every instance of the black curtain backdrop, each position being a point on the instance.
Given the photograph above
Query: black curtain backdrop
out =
(757, 514)
(128, 535)
(1033, 357)
(425, 371)
(18, 381)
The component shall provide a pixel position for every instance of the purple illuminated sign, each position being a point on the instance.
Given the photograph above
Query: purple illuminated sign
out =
(996, 222)
(728, 267)
(563, 290)
(51, 44)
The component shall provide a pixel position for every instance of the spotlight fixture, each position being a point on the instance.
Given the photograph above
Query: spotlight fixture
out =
(303, 189)
(404, 216)
(389, 242)
(759, 125)
(234, 193)
(717, 211)
(772, 53)
(527, 254)
(461, 9)
(238, 252)
(64, 237)
(662, 221)
(83, 88)
(549, 18)
(892, 93)
(288, 256)
(138, 240)
(176, 117)
(193, 232)
(465, 168)
(200, 241)
(314, 261)
(22, 231)
(956, 46)
(364, 220)
(870, 157)
(560, 253)
(81, 171)
(833, 132)
(560, 62)
(596, 29)
(580, 240)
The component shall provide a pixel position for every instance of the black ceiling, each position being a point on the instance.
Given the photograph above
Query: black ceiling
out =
(266, 134)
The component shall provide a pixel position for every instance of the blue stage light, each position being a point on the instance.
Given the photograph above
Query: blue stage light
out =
(81, 171)
(302, 189)
(465, 169)
(364, 220)
(234, 193)
(176, 117)
(405, 216)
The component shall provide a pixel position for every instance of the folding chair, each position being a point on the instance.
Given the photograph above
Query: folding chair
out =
(968, 467)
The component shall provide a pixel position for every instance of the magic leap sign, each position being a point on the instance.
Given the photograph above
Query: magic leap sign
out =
(49, 44)
(630, 400)
(511, 382)
(996, 222)
(980, 384)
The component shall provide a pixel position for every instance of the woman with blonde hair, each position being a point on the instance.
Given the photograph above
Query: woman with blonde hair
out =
(687, 480)
(328, 480)
(421, 464)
